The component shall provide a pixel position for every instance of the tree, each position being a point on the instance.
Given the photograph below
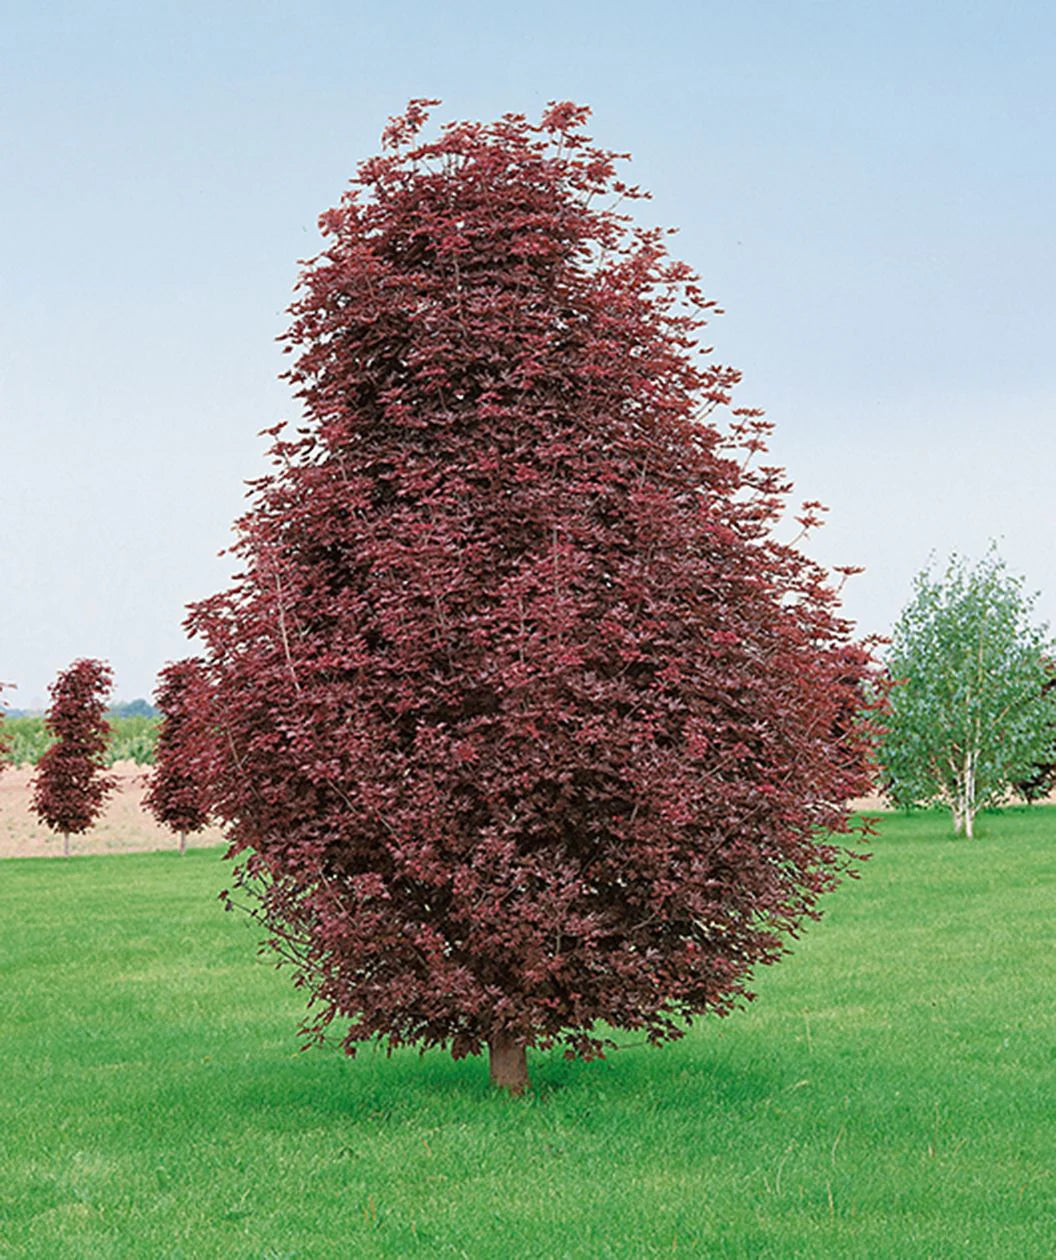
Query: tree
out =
(970, 713)
(69, 787)
(177, 791)
(133, 709)
(5, 739)
(525, 720)
(1042, 778)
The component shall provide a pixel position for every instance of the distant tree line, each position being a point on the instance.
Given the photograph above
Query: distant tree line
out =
(126, 709)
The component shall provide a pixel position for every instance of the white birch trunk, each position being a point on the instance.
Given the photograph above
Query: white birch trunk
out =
(969, 794)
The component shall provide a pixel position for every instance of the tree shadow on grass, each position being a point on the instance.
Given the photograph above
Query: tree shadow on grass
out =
(406, 1086)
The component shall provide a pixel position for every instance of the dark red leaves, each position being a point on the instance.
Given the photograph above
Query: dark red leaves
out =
(177, 790)
(69, 787)
(5, 741)
(404, 127)
(522, 719)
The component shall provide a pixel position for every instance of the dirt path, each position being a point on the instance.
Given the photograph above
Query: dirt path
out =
(125, 827)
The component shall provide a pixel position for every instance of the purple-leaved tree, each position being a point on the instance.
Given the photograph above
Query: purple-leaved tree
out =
(70, 786)
(178, 787)
(525, 723)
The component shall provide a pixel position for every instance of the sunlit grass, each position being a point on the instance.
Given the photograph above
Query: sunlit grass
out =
(889, 1094)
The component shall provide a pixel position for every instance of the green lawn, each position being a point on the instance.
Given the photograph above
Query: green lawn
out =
(891, 1093)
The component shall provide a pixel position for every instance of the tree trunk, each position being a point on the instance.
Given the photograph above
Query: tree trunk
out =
(962, 803)
(65, 844)
(965, 806)
(183, 842)
(508, 1064)
(969, 797)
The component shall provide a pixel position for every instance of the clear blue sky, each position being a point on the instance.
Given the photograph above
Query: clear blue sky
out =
(867, 189)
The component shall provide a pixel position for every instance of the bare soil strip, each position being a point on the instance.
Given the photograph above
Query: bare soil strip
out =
(125, 827)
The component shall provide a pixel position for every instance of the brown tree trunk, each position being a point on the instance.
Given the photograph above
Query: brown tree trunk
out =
(508, 1064)
(183, 843)
(65, 844)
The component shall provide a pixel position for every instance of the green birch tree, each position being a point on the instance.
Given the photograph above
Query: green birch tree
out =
(970, 715)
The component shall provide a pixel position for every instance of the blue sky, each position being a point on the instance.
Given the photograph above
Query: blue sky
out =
(867, 189)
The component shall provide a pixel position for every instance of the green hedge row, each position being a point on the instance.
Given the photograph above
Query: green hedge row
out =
(131, 739)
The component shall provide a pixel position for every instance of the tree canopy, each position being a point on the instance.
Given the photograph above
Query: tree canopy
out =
(525, 720)
(5, 739)
(70, 787)
(971, 712)
(177, 789)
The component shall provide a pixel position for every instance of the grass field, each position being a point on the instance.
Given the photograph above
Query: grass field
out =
(892, 1093)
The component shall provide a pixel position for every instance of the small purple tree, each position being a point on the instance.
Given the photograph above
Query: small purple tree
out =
(177, 793)
(70, 788)
(5, 741)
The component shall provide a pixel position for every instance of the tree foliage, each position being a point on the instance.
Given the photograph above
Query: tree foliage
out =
(971, 711)
(5, 737)
(525, 720)
(138, 708)
(69, 788)
(28, 739)
(177, 789)
(1042, 778)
